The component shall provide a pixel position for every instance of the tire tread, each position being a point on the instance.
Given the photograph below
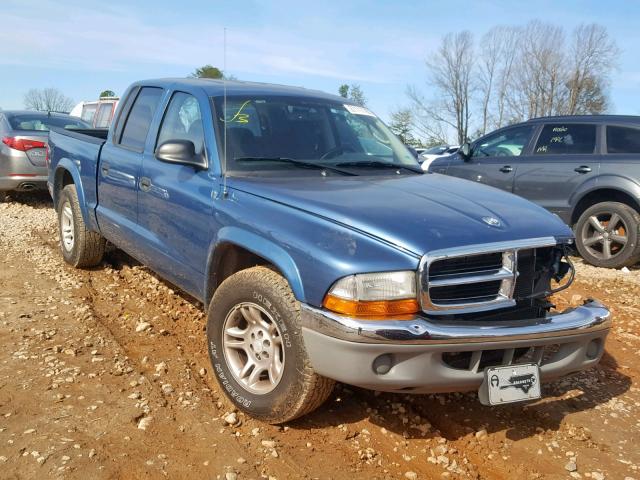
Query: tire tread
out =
(89, 246)
(315, 388)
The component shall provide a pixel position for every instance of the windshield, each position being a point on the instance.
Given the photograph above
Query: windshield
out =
(263, 130)
(42, 122)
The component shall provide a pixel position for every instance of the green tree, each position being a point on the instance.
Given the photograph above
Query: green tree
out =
(209, 71)
(354, 93)
(107, 93)
(357, 95)
(402, 125)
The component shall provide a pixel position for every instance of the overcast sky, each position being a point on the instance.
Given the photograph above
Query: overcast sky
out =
(83, 47)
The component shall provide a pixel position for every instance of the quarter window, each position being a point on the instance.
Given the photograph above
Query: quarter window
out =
(506, 143)
(134, 133)
(559, 139)
(182, 121)
(623, 140)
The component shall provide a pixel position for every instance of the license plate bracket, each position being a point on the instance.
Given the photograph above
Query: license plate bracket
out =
(509, 384)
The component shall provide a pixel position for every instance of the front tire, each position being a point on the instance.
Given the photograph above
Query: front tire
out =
(257, 351)
(607, 235)
(80, 247)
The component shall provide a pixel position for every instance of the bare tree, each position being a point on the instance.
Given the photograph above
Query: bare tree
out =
(426, 123)
(537, 87)
(450, 71)
(490, 50)
(498, 51)
(517, 73)
(593, 54)
(47, 100)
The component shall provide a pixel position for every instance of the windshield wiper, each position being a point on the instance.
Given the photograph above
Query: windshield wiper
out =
(299, 163)
(379, 164)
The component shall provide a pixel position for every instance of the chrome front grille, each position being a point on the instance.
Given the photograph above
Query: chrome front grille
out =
(479, 277)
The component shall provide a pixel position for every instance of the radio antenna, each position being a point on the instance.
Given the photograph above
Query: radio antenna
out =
(224, 113)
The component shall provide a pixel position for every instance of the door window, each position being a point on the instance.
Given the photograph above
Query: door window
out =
(563, 139)
(136, 128)
(182, 121)
(623, 140)
(506, 143)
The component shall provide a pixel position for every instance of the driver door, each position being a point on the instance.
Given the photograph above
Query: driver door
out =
(494, 158)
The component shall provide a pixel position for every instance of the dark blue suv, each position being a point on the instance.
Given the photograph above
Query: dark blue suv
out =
(585, 169)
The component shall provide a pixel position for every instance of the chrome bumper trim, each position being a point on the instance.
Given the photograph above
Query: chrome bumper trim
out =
(592, 316)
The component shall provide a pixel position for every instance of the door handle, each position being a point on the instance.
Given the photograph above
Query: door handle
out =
(145, 184)
(582, 169)
(105, 169)
(507, 169)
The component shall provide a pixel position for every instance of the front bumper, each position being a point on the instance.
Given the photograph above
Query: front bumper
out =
(427, 356)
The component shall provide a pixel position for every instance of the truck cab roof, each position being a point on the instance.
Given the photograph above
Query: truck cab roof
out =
(214, 88)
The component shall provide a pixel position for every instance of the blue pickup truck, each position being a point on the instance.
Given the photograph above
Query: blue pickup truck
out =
(320, 249)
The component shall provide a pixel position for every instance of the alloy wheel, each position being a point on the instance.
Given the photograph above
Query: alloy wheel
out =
(605, 235)
(66, 226)
(253, 349)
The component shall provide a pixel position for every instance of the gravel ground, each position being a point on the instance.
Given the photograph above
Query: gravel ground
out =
(104, 374)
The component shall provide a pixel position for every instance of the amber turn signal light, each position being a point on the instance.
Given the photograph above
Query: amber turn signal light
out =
(379, 308)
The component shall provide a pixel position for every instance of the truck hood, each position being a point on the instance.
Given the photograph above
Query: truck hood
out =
(418, 213)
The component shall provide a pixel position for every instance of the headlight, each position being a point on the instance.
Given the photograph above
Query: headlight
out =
(374, 294)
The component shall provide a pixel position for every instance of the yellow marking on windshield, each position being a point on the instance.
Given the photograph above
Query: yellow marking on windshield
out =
(239, 117)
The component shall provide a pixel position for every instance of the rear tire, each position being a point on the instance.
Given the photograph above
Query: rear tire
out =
(80, 247)
(257, 351)
(3, 196)
(607, 235)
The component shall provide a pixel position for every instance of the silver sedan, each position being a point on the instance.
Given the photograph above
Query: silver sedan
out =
(23, 144)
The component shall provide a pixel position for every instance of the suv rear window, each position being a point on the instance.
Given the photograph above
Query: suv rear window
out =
(563, 138)
(134, 133)
(623, 139)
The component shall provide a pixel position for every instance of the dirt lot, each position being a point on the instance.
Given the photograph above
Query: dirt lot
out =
(104, 374)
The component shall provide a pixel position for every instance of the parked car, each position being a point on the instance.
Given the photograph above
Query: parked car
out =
(585, 169)
(434, 153)
(23, 149)
(98, 113)
(320, 249)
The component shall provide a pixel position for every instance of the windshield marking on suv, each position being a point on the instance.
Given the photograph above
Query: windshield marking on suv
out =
(239, 117)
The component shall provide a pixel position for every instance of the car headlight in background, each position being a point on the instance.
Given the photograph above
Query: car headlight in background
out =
(374, 294)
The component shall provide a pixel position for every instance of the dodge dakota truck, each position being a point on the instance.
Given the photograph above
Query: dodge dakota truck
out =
(320, 249)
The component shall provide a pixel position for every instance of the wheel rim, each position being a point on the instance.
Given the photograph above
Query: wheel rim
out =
(253, 348)
(605, 235)
(66, 226)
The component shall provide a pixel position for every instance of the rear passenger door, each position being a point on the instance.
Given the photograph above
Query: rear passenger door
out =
(564, 157)
(495, 157)
(622, 157)
(119, 169)
(175, 201)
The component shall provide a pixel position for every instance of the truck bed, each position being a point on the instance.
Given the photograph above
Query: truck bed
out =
(93, 135)
(77, 151)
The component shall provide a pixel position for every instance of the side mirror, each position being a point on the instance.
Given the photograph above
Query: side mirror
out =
(465, 151)
(182, 152)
